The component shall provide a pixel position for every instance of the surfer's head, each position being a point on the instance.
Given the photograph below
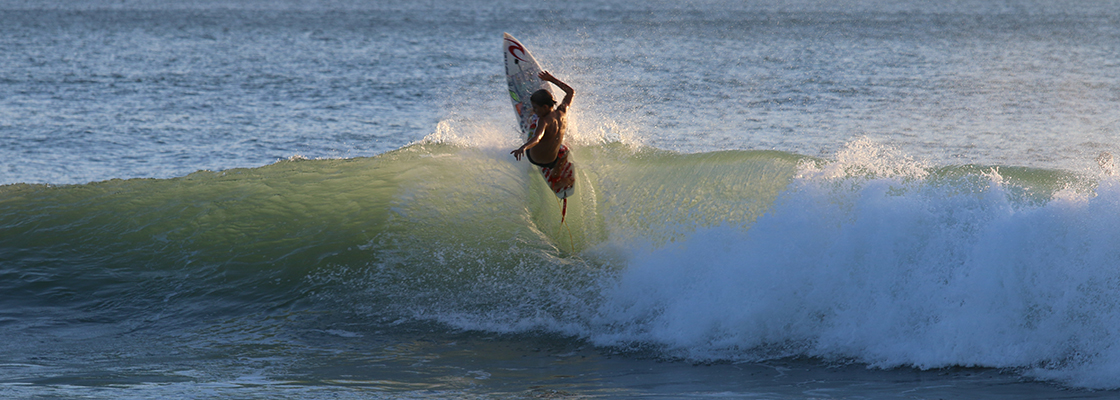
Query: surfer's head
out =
(542, 101)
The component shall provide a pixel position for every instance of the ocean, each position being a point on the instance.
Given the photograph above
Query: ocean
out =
(862, 199)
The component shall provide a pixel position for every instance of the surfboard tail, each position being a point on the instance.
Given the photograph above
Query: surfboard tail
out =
(565, 193)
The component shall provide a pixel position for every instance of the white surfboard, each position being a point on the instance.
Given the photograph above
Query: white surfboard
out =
(522, 75)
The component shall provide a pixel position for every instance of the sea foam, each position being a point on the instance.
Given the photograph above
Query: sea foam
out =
(889, 266)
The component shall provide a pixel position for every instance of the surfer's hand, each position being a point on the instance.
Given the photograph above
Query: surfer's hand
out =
(568, 91)
(517, 154)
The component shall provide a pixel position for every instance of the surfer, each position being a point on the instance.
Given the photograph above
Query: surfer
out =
(545, 148)
(546, 126)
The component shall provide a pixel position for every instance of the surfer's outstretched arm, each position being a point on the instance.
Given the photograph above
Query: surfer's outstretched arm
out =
(568, 91)
(528, 145)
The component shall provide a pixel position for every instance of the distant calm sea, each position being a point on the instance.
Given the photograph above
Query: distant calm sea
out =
(775, 200)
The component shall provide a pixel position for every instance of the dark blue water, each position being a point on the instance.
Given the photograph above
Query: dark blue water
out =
(99, 90)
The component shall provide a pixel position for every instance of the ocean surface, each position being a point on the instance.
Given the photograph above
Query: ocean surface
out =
(255, 199)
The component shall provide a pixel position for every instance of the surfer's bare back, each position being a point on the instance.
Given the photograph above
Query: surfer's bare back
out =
(546, 147)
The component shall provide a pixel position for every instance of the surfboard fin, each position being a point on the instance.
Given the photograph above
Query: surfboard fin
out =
(563, 214)
(564, 211)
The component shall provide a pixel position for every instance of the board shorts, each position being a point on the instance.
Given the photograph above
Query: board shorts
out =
(559, 174)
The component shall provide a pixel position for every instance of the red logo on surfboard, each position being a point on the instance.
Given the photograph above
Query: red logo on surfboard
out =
(516, 46)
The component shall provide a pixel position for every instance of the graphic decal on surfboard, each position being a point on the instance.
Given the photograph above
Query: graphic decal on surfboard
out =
(522, 75)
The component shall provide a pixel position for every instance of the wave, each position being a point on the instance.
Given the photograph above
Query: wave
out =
(723, 256)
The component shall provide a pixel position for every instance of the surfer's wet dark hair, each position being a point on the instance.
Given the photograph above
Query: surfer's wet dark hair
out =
(542, 97)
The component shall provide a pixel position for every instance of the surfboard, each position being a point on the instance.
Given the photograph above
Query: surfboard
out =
(522, 75)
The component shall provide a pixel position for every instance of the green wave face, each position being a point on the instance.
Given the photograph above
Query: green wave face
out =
(438, 217)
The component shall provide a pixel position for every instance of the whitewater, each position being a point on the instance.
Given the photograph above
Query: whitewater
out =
(776, 200)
